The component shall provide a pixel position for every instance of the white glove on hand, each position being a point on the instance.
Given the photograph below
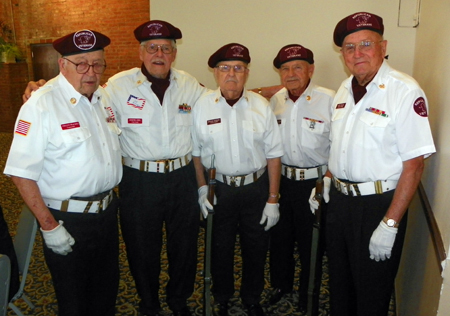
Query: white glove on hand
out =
(381, 242)
(313, 203)
(271, 214)
(58, 239)
(203, 200)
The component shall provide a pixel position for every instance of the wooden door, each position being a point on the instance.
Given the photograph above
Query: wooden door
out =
(45, 61)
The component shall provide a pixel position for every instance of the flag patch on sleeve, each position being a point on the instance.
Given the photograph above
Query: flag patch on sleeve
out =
(23, 127)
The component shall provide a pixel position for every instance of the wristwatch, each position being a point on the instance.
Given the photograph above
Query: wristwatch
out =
(390, 222)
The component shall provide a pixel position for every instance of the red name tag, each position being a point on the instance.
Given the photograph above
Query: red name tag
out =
(134, 121)
(70, 125)
(214, 121)
(340, 106)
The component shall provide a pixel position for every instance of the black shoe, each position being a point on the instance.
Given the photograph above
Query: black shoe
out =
(221, 309)
(254, 310)
(275, 296)
(182, 312)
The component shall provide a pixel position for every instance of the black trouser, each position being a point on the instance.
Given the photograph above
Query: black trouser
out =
(239, 211)
(147, 202)
(295, 225)
(7, 248)
(86, 280)
(359, 285)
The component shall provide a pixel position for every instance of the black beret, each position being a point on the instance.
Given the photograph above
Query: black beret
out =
(156, 29)
(356, 22)
(83, 41)
(232, 51)
(293, 52)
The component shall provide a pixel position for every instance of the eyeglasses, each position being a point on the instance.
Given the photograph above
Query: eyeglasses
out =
(227, 68)
(363, 46)
(153, 48)
(83, 67)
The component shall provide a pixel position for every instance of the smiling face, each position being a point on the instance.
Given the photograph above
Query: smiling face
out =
(157, 64)
(364, 65)
(86, 84)
(231, 83)
(295, 76)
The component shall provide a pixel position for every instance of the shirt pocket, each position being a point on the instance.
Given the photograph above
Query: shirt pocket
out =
(312, 133)
(374, 120)
(78, 143)
(253, 134)
(214, 135)
(373, 131)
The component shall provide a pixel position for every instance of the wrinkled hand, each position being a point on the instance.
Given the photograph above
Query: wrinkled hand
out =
(58, 239)
(381, 242)
(271, 214)
(203, 200)
(313, 203)
(31, 87)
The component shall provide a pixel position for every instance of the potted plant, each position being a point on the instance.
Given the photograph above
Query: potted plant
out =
(9, 51)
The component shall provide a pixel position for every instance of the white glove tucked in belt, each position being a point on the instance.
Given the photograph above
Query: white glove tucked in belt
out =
(58, 239)
(313, 203)
(203, 200)
(271, 214)
(381, 242)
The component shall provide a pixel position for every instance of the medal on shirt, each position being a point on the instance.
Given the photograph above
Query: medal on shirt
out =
(312, 122)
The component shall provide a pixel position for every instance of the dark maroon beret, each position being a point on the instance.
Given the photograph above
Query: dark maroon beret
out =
(83, 41)
(356, 22)
(293, 52)
(232, 51)
(156, 29)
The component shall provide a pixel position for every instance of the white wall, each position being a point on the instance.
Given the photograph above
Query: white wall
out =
(264, 26)
(431, 69)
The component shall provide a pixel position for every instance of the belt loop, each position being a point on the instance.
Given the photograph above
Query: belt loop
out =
(88, 207)
(186, 160)
(293, 173)
(349, 189)
(141, 165)
(302, 174)
(378, 187)
(64, 206)
(242, 181)
(100, 206)
(355, 186)
(255, 176)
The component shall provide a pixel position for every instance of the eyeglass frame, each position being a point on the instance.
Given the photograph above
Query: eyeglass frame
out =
(360, 46)
(159, 47)
(89, 67)
(222, 66)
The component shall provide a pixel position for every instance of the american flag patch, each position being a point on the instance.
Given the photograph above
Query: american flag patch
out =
(23, 127)
(136, 102)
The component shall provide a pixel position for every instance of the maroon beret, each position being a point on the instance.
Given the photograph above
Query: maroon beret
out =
(293, 52)
(356, 22)
(156, 29)
(232, 51)
(83, 41)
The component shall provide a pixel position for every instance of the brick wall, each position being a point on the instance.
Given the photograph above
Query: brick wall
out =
(42, 21)
(14, 78)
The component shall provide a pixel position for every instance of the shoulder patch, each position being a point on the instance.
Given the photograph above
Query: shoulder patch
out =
(420, 107)
(23, 127)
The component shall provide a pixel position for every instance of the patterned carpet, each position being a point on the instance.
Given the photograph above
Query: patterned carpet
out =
(39, 286)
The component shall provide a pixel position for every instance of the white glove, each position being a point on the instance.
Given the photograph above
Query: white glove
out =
(313, 203)
(271, 214)
(381, 242)
(58, 239)
(203, 200)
